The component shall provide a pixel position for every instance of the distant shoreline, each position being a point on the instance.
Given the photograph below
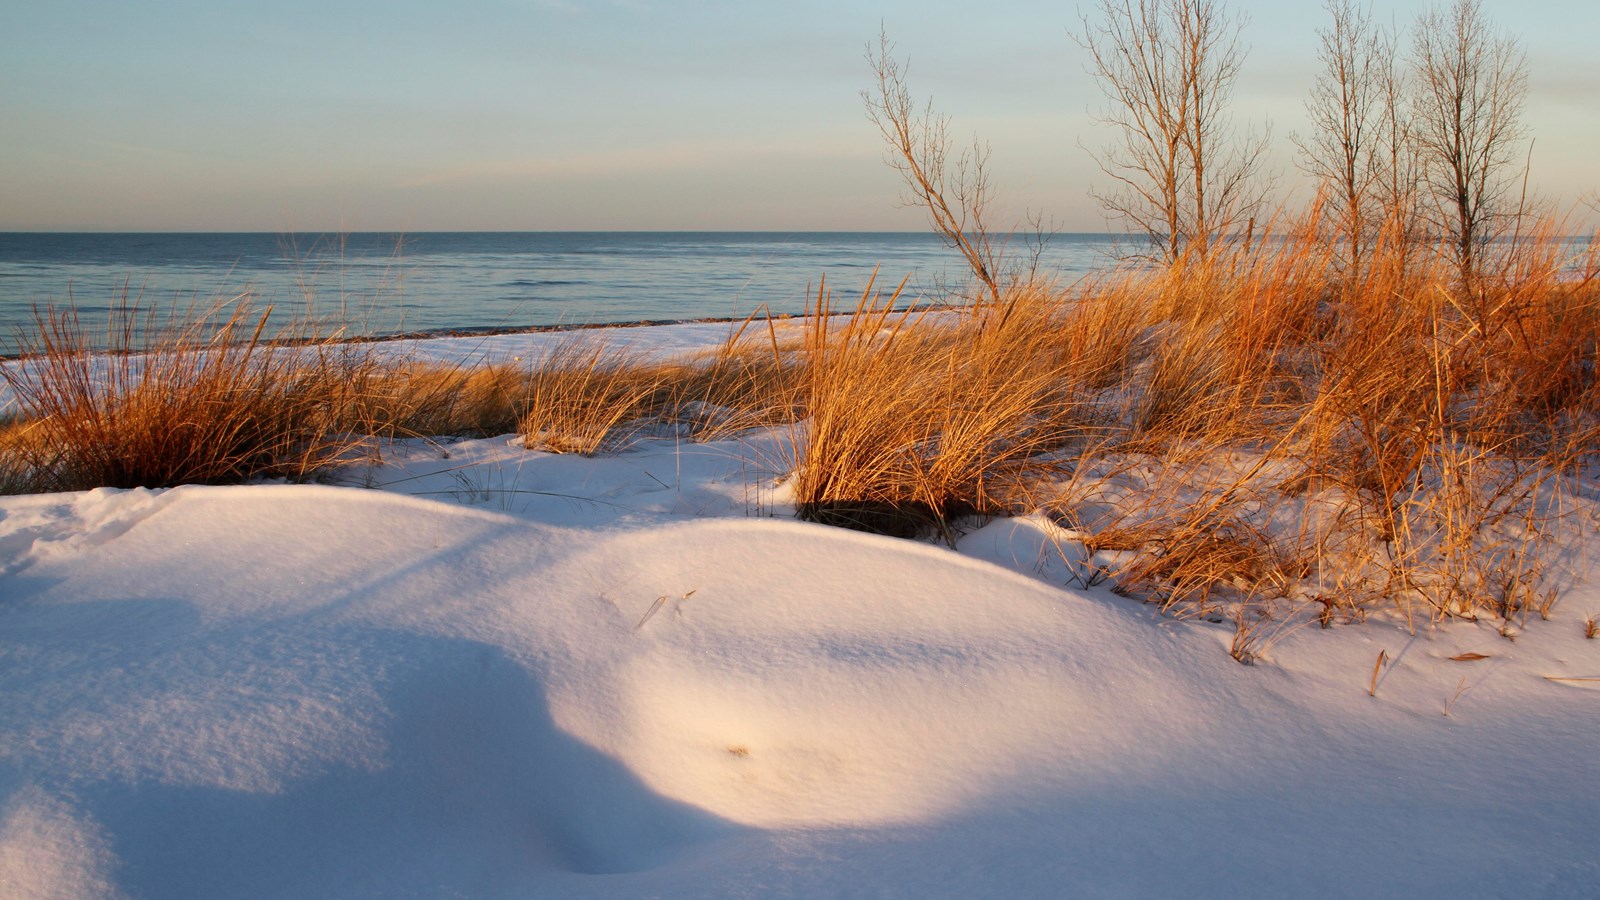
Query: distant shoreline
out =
(494, 331)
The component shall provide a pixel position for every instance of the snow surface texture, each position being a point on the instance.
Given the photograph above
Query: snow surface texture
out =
(505, 673)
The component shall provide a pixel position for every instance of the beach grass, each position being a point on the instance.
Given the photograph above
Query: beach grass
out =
(191, 396)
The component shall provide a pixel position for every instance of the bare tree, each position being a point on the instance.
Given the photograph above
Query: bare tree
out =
(955, 193)
(1183, 176)
(1471, 82)
(1347, 109)
(1399, 169)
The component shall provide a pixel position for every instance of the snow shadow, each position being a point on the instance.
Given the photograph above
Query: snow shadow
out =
(475, 792)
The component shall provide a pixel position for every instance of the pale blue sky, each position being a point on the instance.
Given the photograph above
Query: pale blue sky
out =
(605, 114)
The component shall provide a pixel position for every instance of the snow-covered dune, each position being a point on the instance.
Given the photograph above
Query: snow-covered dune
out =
(332, 691)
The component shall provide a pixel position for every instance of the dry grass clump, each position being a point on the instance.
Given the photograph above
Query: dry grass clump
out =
(910, 425)
(588, 396)
(17, 447)
(1185, 390)
(584, 395)
(433, 399)
(1401, 441)
(176, 398)
(1431, 425)
(1455, 444)
(752, 380)
(1200, 531)
(201, 397)
(1192, 559)
(1100, 333)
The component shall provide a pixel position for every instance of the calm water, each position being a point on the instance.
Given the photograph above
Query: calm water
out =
(385, 283)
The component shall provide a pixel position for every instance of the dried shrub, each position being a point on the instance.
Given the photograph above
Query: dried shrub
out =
(178, 397)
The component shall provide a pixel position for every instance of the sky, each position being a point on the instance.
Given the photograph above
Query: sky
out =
(614, 114)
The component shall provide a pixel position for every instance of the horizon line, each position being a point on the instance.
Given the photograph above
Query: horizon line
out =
(387, 231)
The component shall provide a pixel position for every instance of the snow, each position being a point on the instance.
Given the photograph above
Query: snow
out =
(478, 670)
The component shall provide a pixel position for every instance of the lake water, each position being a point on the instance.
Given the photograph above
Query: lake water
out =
(378, 284)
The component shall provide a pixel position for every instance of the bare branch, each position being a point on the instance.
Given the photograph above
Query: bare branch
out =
(1181, 173)
(955, 194)
(1471, 82)
(1348, 112)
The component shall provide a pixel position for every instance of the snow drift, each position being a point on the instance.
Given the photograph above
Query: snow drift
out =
(320, 691)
